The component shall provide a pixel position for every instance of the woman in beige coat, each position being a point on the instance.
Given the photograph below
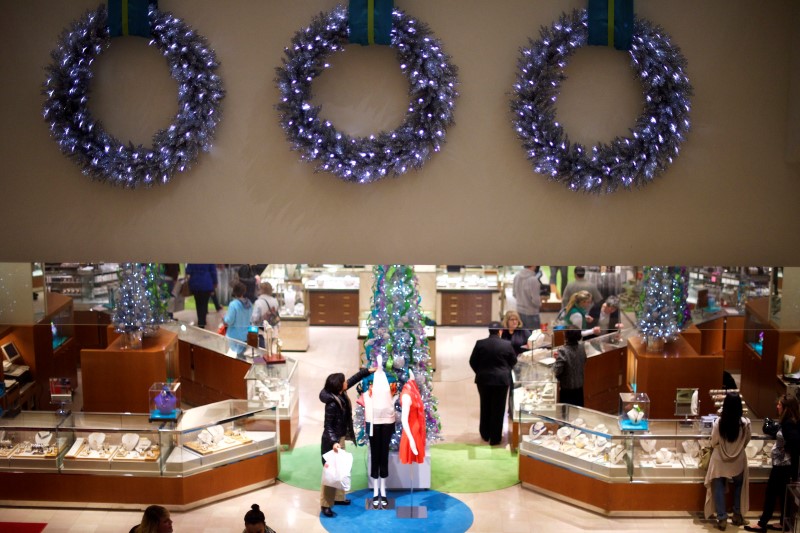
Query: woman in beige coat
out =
(729, 437)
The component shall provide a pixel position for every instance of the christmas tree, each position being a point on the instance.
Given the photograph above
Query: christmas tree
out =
(680, 291)
(658, 315)
(397, 335)
(157, 292)
(133, 312)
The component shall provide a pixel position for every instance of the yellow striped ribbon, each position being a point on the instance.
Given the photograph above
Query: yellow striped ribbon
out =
(610, 23)
(371, 21)
(124, 17)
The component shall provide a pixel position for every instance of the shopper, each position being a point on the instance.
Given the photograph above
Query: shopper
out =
(580, 283)
(514, 332)
(237, 319)
(492, 360)
(337, 427)
(554, 271)
(569, 367)
(527, 291)
(156, 519)
(255, 521)
(202, 280)
(729, 437)
(266, 309)
(576, 313)
(784, 460)
(605, 315)
(246, 276)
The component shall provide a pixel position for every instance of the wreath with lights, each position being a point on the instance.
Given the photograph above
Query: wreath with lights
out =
(627, 162)
(432, 91)
(81, 137)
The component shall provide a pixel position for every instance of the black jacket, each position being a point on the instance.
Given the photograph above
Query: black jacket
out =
(338, 414)
(492, 360)
(518, 339)
(594, 312)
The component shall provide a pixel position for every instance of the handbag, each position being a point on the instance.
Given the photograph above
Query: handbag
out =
(705, 457)
(185, 290)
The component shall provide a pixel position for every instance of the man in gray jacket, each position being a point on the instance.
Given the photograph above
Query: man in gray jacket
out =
(527, 291)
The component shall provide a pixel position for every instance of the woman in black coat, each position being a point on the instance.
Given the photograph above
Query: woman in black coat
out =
(337, 428)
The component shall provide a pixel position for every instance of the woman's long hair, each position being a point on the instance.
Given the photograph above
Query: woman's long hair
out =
(334, 383)
(730, 420)
(791, 408)
(151, 518)
(576, 299)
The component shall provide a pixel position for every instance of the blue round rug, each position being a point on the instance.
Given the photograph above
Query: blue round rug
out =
(445, 513)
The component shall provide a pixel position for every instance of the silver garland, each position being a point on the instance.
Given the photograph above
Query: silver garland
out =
(81, 137)
(432, 91)
(627, 162)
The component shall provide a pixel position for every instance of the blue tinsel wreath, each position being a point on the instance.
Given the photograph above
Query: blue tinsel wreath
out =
(101, 156)
(432, 90)
(626, 162)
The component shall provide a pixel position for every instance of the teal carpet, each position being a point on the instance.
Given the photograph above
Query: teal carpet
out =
(456, 468)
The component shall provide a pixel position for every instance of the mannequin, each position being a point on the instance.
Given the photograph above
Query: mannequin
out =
(379, 412)
(412, 440)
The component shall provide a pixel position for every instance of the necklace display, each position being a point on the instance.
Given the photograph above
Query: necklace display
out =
(43, 438)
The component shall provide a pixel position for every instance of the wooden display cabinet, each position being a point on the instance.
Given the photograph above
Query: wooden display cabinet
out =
(117, 379)
(679, 365)
(333, 307)
(466, 307)
(762, 357)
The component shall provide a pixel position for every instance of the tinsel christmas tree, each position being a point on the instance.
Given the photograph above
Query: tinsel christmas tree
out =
(397, 334)
(680, 292)
(658, 315)
(133, 312)
(157, 292)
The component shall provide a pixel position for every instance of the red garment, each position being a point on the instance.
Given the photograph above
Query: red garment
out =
(416, 422)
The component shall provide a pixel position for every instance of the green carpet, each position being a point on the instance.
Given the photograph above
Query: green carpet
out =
(302, 467)
(454, 468)
(472, 468)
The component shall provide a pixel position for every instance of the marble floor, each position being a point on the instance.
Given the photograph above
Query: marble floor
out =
(288, 509)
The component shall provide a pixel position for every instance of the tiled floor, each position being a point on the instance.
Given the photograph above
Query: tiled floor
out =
(288, 509)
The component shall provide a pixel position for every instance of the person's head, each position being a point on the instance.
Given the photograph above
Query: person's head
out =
(730, 418)
(789, 408)
(572, 335)
(512, 320)
(254, 520)
(265, 288)
(335, 383)
(245, 271)
(495, 328)
(238, 290)
(611, 303)
(582, 299)
(580, 272)
(156, 519)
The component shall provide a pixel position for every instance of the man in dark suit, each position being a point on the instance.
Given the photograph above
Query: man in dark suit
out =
(606, 316)
(492, 360)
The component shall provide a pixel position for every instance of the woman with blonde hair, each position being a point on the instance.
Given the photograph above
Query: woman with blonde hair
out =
(576, 313)
(514, 332)
(156, 519)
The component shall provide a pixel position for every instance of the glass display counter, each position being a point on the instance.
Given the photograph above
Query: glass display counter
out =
(588, 447)
(32, 442)
(118, 444)
(276, 383)
(220, 433)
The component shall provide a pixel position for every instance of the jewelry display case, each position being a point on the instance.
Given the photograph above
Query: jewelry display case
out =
(220, 433)
(576, 452)
(277, 383)
(32, 442)
(117, 444)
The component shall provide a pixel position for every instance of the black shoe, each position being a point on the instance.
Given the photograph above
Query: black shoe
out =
(327, 512)
(774, 527)
(494, 443)
(342, 502)
(376, 502)
(384, 502)
(758, 528)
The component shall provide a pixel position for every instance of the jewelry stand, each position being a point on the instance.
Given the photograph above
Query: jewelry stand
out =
(412, 511)
(61, 395)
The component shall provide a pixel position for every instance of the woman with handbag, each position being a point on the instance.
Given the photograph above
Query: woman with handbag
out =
(729, 437)
(337, 427)
(784, 459)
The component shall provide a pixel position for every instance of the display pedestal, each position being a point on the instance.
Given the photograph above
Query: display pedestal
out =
(416, 475)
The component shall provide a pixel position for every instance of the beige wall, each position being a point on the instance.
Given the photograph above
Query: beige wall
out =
(730, 198)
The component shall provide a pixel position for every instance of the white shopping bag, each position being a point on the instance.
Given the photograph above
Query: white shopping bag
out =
(336, 471)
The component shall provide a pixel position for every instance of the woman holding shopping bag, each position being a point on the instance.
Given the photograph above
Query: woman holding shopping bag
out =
(337, 427)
